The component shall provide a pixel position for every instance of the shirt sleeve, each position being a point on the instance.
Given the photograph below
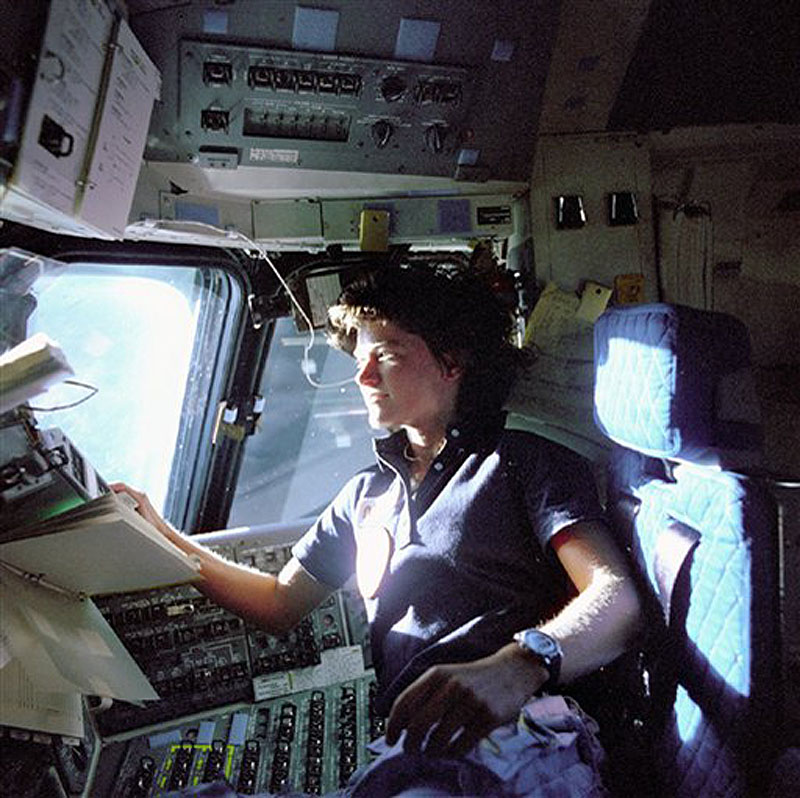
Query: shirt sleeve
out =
(560, 490)
(328, 550)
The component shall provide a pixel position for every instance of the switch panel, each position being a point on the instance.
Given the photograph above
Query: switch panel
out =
(318, 110)
(311, 741)
(198, 655)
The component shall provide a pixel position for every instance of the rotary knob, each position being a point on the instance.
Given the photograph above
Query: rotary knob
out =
(435, 136)
(381, 133)
(393, 88)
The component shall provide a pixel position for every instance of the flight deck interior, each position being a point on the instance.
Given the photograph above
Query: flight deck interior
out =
(187, 185)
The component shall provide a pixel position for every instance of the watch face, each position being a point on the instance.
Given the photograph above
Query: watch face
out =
(548, 651)
(541, 644)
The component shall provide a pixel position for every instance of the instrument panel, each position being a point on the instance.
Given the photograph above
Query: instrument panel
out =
(284, 717)
(198, 655)
(260, 712)
(265, 107)
(311, 741)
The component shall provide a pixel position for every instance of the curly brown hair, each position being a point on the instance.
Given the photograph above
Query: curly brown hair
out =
(457, 314)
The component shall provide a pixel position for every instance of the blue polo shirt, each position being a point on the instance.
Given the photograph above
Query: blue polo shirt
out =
(463, 564)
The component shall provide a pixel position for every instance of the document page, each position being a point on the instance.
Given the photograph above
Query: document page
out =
(64, 643)
(53, 649)
(133, 84)
(23, 706)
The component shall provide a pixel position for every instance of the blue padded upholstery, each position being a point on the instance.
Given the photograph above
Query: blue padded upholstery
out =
(672, 381)
(703, 539)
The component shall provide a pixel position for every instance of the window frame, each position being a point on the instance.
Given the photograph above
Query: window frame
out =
(190, 498)
(295, 469)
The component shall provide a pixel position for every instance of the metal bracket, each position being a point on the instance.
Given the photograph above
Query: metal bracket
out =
(262, 308)
(237, 422)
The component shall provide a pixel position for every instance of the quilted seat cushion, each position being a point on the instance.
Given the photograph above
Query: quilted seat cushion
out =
(720, 605)
(674, 382)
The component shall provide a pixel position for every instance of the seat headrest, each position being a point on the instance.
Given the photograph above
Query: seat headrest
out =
(675, 382)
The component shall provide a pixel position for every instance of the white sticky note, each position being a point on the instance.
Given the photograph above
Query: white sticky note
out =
(417, 39)
(315, 29)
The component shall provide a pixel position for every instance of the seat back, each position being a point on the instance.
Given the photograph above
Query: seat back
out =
(672, 392)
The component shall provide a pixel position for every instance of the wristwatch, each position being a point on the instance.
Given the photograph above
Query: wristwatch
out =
(546, 649)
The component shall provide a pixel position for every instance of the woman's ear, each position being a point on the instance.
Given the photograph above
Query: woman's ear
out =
(451, 367)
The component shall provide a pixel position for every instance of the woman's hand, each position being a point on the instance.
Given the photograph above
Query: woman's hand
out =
(146, 510)
(450, 707)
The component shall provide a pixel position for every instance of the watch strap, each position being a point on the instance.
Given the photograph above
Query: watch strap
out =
(546, 649)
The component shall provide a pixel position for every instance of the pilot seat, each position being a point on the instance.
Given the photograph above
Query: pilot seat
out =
(674, 393)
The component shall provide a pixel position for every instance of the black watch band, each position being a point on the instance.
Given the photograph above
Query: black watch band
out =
(546, 649)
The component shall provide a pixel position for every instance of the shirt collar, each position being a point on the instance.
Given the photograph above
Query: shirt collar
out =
(466, 434)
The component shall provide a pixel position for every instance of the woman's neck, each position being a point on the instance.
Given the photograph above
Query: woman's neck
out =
(420, 451)
(425, 445)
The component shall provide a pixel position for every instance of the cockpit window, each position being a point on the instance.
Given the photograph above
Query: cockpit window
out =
(150, 339)
(310, 439)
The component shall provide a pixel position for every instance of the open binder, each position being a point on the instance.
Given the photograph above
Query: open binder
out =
(55, 643)
(85, 129)
(103, 546)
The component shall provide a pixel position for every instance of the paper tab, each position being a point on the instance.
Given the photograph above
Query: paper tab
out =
(594, 301)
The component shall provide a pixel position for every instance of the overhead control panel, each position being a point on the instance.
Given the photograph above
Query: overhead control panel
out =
(242, 105)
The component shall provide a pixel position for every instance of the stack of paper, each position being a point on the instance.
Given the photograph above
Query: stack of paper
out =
(103, 546)
(29, 369)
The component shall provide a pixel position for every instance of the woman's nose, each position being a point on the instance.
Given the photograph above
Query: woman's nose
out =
(367, 373)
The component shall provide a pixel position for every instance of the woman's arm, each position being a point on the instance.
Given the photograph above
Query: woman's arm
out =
(460, 703)
(273, 603)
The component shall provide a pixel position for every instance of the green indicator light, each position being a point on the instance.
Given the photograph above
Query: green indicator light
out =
(61, 507)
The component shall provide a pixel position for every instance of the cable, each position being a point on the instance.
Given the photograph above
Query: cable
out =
(92, 391)
(235, 235)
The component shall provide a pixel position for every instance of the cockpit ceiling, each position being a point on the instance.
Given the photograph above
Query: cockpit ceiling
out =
(700, 62)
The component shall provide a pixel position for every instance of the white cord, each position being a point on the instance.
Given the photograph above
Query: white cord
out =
(233, 234)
